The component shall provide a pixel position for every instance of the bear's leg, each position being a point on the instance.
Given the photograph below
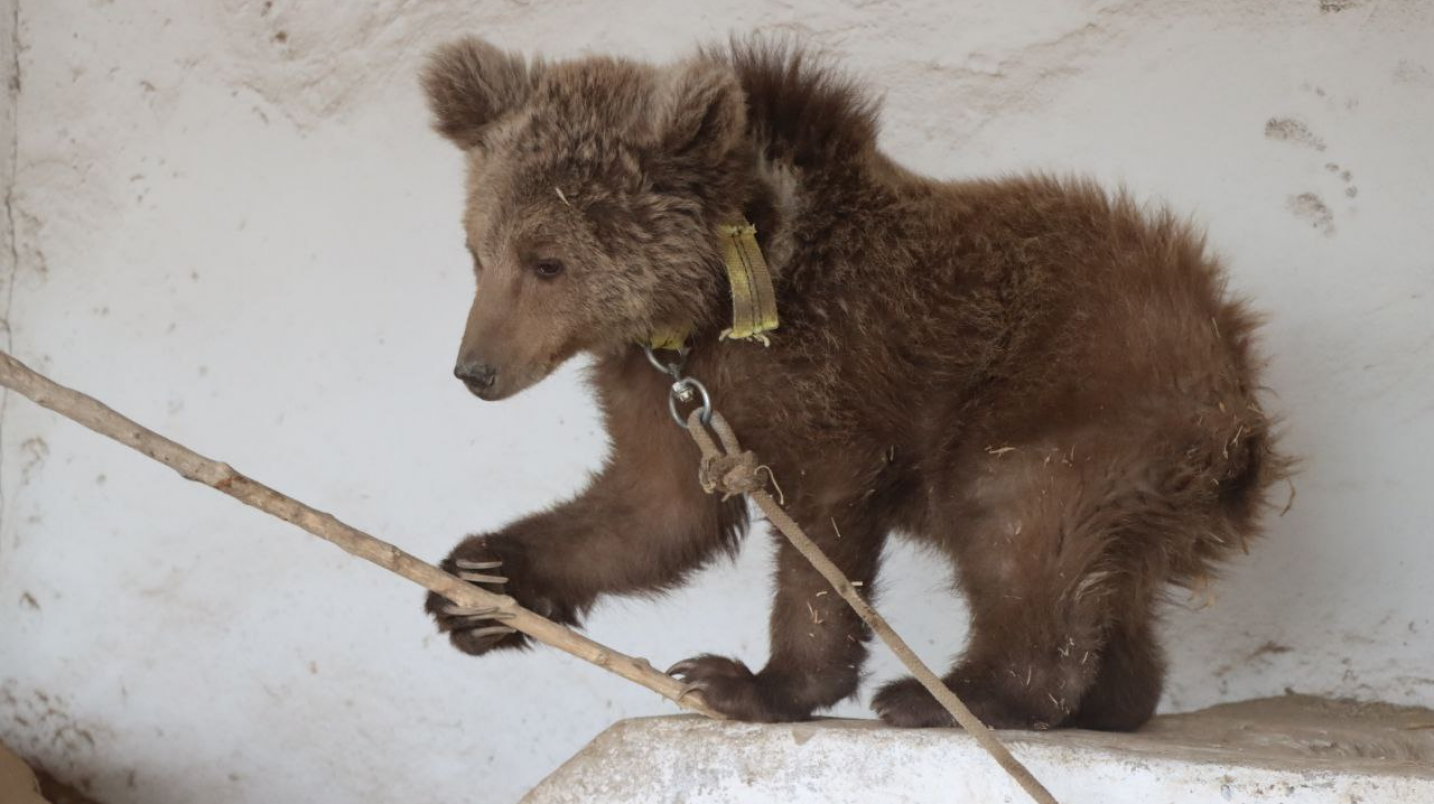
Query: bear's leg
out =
(558, 563)
(818, 642)
(1100, 670)
(642, 525)
(1128, 683)
(1021, 670)
(1059, 572)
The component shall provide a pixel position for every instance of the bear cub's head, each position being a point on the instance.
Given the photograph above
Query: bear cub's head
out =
(595, 188)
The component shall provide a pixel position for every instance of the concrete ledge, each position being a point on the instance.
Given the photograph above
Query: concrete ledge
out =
(1293, 750)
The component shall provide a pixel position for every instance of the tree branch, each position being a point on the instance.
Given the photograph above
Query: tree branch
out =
(96, 416)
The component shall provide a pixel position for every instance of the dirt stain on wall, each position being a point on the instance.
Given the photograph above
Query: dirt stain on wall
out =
(1288, 129)
(40, 727)
(1311, 208)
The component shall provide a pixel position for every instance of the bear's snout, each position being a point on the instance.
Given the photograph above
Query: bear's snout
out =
(479, 377)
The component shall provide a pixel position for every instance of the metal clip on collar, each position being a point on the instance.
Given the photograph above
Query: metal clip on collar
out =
(684, 389)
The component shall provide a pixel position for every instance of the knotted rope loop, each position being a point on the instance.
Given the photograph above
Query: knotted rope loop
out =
(727, 469)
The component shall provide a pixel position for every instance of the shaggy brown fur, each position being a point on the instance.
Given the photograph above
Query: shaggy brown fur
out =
(1038, 378)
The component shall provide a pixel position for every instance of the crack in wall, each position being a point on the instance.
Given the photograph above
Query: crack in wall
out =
(12, 93)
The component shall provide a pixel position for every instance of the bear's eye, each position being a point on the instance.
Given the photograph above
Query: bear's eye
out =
(548, 269)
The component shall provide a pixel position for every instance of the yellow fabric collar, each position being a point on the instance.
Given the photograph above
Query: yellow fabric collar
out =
(754, 302)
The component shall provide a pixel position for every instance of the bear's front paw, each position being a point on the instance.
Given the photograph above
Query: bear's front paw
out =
(475, 631)
(735, 691)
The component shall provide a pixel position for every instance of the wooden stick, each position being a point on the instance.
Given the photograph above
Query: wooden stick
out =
(96, 416)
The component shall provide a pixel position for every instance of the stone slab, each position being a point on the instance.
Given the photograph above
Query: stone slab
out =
(1293, 750)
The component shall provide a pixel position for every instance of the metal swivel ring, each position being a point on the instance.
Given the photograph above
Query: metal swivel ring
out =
(683, 391)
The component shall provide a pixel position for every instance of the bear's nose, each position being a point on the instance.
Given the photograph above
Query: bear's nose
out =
(475, 375)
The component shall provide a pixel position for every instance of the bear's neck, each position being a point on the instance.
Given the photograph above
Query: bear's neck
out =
(760, 209)
(769, 202)
(765, 193)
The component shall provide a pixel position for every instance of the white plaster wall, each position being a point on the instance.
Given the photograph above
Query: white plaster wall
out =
(232, 224)
(9, 92)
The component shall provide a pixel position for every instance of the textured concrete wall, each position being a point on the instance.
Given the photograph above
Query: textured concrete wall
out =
(234, 225)
(9, 92)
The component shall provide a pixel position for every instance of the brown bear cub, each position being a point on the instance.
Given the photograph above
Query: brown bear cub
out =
(1040, 379)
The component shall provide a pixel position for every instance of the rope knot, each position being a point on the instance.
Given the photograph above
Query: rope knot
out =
(730, 474)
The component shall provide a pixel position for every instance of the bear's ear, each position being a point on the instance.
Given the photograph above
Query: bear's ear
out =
(702, 112)
(471, 85)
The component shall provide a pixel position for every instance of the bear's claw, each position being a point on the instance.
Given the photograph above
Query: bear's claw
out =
(682, 668)
(483, 613)
(491, 630)
(479, 577)
(728, 686)
(465, 570)
(475, 630)
(465, 564)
